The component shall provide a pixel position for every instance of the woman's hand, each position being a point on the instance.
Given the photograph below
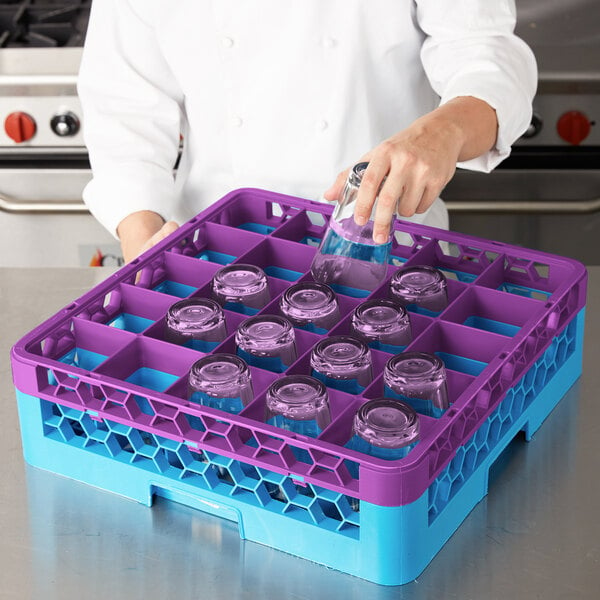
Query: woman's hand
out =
(140, 231)
(419, 161)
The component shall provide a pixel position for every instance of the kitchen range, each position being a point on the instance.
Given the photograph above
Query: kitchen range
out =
(545, 196)
(43, 160)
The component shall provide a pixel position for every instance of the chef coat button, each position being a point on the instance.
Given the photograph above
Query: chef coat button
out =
(237, 121)
(227, 42)
(329, 42)
(323, 125)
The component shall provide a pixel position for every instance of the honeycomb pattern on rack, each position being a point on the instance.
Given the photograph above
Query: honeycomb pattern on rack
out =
(469, 456)
(202, 469)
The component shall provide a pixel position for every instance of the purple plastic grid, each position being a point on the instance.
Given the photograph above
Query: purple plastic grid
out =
(495, 267)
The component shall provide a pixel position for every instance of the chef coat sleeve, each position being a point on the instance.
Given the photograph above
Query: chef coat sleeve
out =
(471, 50)
(132, 108)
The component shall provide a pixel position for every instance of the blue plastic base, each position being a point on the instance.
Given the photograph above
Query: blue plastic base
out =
(386, 545)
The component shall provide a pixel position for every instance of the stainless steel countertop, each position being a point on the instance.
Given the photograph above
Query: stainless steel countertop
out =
(536, 534)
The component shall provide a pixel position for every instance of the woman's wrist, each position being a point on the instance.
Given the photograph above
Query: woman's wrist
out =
(472, 120)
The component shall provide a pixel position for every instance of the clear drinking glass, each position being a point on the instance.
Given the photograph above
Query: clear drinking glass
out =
(342, 362)
(311, 306)
(383, 324)
(299, 403)
(241, 288)
(198, 323)
(422, 286)
(267, 341)
(419, 379)
(348, 259)
(221, 381)
(385, 428)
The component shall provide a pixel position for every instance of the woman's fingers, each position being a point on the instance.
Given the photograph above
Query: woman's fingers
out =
(369, 187)
(429, 196)
(167, 229)
(387, 202)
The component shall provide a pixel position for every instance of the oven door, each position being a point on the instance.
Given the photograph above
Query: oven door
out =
(43, 219)
(542, 198)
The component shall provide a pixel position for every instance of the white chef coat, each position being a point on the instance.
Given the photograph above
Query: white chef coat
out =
(280, 94)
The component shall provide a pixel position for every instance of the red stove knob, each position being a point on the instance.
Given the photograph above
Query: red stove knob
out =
(19, 126)
(573, 127)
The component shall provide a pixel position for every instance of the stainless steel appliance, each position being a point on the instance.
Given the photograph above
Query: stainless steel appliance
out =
(43, 160)
(547, 194)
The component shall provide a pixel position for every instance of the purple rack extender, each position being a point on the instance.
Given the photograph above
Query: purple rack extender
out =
(529, 295)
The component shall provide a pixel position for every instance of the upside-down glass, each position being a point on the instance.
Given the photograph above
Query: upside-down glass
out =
(221, 381)
(198, 323)
(383, 324)
(311, 306)
(348, 259)
(299, 403)
(267, 341)
(342, 362)
(384, 428)
(421, 286)
(241, 288)
(419, 379)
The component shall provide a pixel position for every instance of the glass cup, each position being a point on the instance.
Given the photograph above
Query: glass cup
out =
(383, 324)
(422, 286)
(267, 341)
(348, 259)
(221, 381)
(299, 403)
(311, 306)
(384, 428)
(342, 362)
(241, 288)
(419, 379)
(198, 323)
